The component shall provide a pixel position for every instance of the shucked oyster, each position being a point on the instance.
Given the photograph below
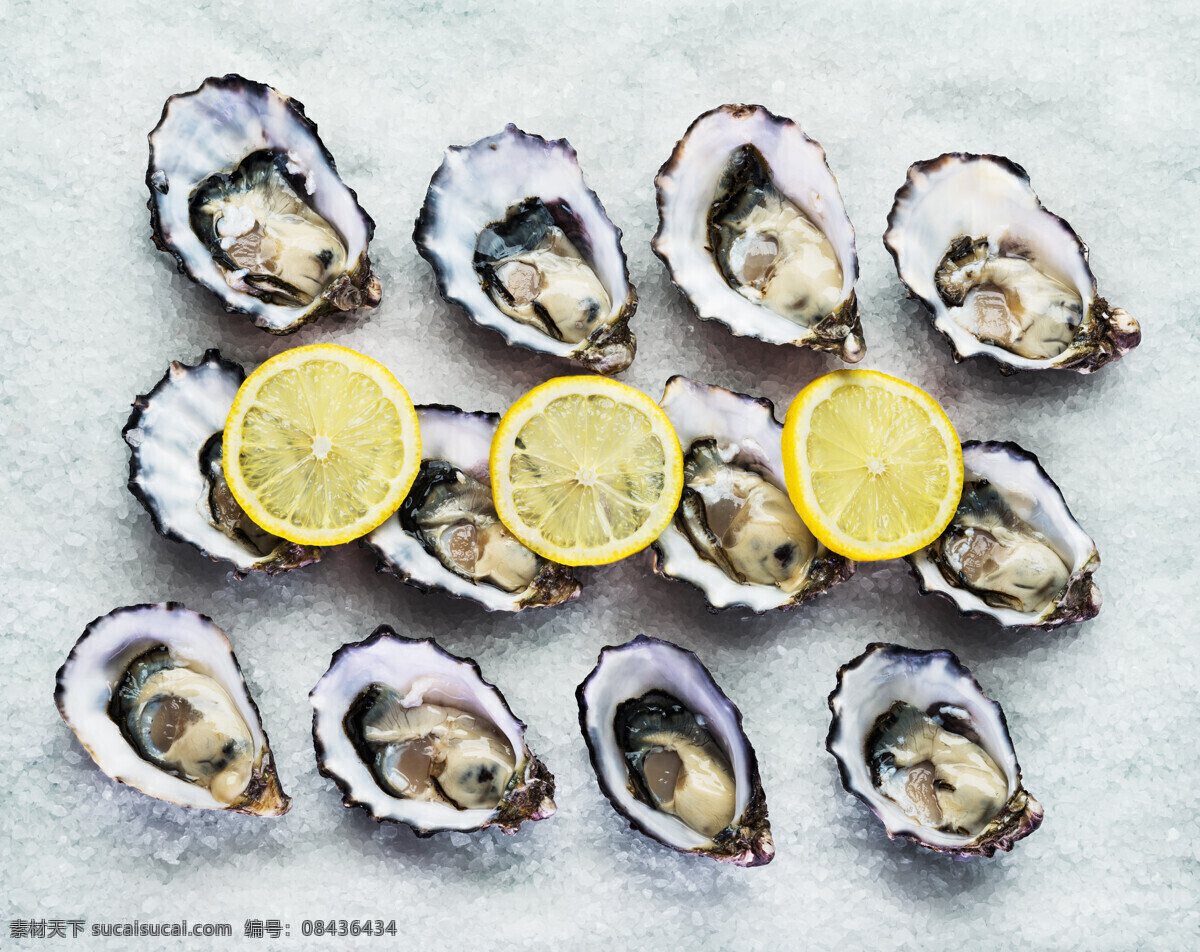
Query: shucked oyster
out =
(246, 197)
(1013, 551)
(918, 741)
(447, 535)
(670, 754)
(754, 232)
(155, 695)
(414, 734)
(736, 535)
(175, 471)
(524, 247)
(1001, 276)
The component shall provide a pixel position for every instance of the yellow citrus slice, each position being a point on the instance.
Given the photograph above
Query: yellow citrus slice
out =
(586, 470)
(321, 445)
(872, 464)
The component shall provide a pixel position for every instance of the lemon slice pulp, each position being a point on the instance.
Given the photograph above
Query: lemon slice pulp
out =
(321, 445)
(872, 464)
(586, 470)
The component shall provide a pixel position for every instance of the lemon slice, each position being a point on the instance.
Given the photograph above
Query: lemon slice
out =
(872, 464)
(321, 445)
(586, 470)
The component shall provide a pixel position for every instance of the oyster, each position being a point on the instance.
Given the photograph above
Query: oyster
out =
(754, 232)
(736, 535)
(175, 472)
(247, 198)
(519, 242)
(156, 696)
(1000, 275)
(414, 734)
(918, 741)
(447, 535)
(1013, 551)
(670, 754)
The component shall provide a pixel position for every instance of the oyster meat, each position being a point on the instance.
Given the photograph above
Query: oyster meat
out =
(537, 276)
(1001, 276)
(675, 764)
(156, 696)
(430, 752)
(754, 232)
(1013, 551)
(519, 242)
(414, 734)
(447, 535)
(736, 535)
(175, 472)
(670, 754)
(247, 198)
(918, 741)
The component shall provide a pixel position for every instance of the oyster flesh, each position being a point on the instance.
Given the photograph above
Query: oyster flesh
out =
(736, 535)
(156, 696)
(1001, 276)
(519, 242)
(175, 472)
(414, 734)
(247, 198)
(1013, 551)
(447, 535)
(918, 741)
(670, 754)
(754, 232)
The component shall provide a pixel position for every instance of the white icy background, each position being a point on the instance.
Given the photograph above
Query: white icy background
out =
(1100, 105)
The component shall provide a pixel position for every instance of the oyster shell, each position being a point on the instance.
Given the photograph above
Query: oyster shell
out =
(248, 200)
(754, 232)
(670, 754)
(519, 242)
(1013, 551)
(918, 741)
(414, 734)
(447, 535)
(736, 535)
(174, 436)
(1001, 276)
(156, 696)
